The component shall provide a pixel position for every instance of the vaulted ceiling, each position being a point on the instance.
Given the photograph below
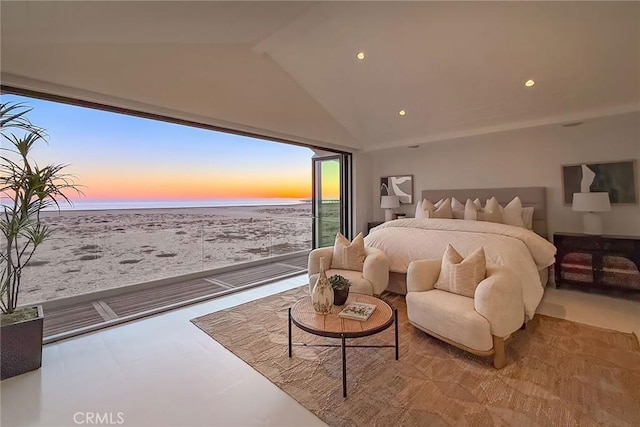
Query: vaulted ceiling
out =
(289, 69)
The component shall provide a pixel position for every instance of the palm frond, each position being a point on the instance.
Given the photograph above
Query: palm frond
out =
(13, 116)
(29, 189)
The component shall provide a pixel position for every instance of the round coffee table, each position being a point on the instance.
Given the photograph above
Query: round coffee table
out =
(331, 325)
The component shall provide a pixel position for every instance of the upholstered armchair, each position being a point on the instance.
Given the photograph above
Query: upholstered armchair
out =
(478, 325)
(372, 280)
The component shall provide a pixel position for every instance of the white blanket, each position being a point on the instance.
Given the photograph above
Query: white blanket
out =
(524, 251)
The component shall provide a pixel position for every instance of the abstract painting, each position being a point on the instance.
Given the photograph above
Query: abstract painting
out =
(616, 178)
(401, 186)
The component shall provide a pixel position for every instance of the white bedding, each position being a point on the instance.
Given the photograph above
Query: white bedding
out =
(523, 250)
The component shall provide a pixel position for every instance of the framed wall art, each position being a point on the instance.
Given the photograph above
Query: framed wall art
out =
(401, 186)
(616, 178)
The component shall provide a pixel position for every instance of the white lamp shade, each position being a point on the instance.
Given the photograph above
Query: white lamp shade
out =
(390, 202)
(591, 202)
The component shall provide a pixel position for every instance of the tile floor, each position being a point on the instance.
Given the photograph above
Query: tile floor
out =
(619, 311)
(163, 371)
(159, 371)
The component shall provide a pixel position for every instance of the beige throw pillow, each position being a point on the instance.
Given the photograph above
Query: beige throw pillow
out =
(348, 255)
(471, 210)
(434, 211)
(458, 209)
(491, 212)
(462, 275)
(512, 213)
(424, 206)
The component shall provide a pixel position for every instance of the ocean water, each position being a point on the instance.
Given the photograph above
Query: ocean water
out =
(87, 205)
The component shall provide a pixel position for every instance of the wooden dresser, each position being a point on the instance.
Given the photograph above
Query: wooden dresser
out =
(599, 261)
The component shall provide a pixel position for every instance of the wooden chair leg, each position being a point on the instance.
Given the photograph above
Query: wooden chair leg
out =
(499, 356)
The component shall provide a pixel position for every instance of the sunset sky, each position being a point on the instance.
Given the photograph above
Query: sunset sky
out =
(117, 157)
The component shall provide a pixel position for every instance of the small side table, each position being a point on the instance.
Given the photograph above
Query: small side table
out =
(331, 325)
(373, 224)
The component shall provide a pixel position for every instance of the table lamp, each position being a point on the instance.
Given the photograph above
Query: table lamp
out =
(590, 203)
(389, 203)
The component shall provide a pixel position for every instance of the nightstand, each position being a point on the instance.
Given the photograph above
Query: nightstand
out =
(370, 225)
(597, 261)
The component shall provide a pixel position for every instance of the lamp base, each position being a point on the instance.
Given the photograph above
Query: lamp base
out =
(388, 214)
(591, 223)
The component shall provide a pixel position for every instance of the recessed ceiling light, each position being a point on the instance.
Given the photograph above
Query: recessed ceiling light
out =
(529, 83)
(402, 113)
(360, 56)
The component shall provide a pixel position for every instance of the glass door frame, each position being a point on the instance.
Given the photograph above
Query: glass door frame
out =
(345, 187)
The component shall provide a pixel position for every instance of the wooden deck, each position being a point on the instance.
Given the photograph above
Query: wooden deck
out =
(65, 321)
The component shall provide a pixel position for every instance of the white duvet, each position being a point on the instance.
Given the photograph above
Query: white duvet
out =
(522, 250)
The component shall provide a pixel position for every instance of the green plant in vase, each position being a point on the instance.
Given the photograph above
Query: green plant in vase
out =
(340, 287)
(26, 189)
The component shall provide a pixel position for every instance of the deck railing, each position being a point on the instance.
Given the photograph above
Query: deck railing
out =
(86, 258)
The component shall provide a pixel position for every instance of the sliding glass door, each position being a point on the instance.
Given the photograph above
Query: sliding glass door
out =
(331, 196)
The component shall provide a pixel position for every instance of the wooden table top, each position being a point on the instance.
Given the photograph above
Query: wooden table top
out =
(332, 325)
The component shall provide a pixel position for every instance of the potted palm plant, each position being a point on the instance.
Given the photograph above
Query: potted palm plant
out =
(25, 190)
(340, 287)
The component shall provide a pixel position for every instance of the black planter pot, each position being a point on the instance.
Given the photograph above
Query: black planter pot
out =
(21, 346)
(340, 297)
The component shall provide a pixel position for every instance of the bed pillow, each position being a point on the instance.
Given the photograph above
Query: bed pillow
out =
(527, 217)
(418, 213)
(490, 213)
(420, 207)
(471, 210)
(512, 213)
(460, 275)
(457, 208)
(348, 255)
(433, 211)
(442, 209)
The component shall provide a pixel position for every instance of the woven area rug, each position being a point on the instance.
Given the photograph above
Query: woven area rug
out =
(558, 372)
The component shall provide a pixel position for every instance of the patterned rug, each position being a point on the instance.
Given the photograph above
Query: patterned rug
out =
(558, 372)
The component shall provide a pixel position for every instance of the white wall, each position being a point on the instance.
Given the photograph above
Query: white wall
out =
(362, 195)
(526, 157)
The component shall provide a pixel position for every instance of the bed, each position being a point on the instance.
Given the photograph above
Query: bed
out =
(526, 251)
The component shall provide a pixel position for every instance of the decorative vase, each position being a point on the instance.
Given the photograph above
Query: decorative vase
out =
(340, 296)
(322, 294)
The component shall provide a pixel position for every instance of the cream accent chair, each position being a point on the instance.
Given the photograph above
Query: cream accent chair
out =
(372, 280)
(478, 325)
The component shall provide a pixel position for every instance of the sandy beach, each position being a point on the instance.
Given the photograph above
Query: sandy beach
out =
(96, 250)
